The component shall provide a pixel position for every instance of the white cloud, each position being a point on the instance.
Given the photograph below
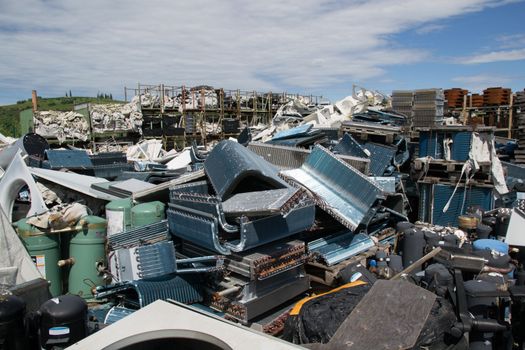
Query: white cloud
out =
(431, 28)
(495, 56)
(479, 82)
(96, 45)
(511, 41)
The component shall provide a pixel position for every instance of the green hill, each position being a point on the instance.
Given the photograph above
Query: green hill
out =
(9, 114)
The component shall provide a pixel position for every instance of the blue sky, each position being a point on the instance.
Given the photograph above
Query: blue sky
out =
(313, 47)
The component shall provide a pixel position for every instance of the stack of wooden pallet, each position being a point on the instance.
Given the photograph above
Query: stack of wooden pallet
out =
(519, 103)
(454, 97)
(496, 96)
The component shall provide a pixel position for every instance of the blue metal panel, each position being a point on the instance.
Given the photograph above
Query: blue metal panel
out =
(463, 198)
(350, 147)
(431, 144)
(381, 157)
(71, 159)
(461, 145)
(298, 131)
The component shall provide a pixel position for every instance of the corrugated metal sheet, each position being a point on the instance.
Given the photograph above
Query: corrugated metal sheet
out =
(339, 188)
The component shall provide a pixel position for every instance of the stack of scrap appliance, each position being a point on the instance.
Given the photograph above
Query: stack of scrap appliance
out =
(428, 107)
(455, 171)
(245, 211)
(519, 103)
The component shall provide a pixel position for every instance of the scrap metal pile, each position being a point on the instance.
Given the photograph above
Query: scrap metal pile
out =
(331, 229)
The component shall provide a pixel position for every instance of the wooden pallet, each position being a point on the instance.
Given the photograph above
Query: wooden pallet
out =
(453, 181)
(450, 170)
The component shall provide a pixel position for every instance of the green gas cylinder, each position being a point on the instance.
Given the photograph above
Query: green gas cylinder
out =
(148, 213)
(44, 249)
(118, 214)
(86, 255)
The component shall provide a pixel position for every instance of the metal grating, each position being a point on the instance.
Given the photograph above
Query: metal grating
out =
(117, 313)
(186, 289)
(141, 235)
(339, 188)
(431, 209)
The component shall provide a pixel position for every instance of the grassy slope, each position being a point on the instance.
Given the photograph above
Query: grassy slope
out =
(9, 114)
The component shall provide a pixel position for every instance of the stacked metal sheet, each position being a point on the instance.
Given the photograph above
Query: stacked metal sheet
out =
(428, 107)
(402, 101)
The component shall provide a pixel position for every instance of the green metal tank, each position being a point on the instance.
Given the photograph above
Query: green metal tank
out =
(87, 252)
(148, 213)
(45, 252)
(118, 214)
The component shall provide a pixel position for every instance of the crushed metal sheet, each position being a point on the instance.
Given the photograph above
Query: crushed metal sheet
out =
(339, 189)
(232, 168)
(162, 190)
(77, 182)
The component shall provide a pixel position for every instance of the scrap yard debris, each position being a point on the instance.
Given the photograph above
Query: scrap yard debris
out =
(374, 222)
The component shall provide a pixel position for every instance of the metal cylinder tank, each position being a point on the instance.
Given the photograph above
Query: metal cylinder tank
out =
(63, 321)
(87, 253)
(44, 249)
(12, 330)
(412, 246)
(118, 214)
(148, 213)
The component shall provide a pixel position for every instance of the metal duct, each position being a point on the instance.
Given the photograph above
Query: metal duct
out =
(340, 189)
